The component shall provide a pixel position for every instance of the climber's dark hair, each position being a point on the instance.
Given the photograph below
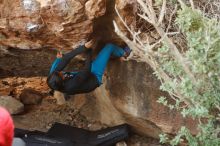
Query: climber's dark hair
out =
(55, 81)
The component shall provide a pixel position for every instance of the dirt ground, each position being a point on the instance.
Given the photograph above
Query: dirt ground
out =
(42, 117)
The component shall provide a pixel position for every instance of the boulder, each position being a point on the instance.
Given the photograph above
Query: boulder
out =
(64, 24)
(133, 91)
(95, 9)
(3, 49)
(129, 95)
(6, 90)
(11, 104)
(59, 96)
(30, 96)
(35, 24)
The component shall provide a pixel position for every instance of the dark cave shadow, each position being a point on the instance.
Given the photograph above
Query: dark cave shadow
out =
(26, 63)
(31, 63)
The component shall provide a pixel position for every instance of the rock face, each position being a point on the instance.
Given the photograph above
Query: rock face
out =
(94, 9)
(30, 96)
(133, 91)
(31, 24)
(64, 24)
(125, 7)
(128, 95)
(12, 105)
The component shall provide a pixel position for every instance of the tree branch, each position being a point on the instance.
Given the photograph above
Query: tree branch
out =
(192, 4)
(162, 13)
(146, 10)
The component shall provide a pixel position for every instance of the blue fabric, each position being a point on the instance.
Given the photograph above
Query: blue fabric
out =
(73, 73)
(54, 65)
(100, 63)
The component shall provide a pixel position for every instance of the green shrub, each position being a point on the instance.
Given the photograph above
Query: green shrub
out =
(203, 59)
(190, 75)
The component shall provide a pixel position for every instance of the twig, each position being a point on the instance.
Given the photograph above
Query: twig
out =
(170, 20)
(145, 18)
(124, 23)
(145, 8)
(153, 14)
(181, 3)
(162, 13)
(175, 52)
(192, 4)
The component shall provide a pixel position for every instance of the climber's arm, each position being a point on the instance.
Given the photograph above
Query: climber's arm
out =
(62, 60)
(67, 57)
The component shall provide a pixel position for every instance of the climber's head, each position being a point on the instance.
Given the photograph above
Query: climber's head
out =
(55, 80)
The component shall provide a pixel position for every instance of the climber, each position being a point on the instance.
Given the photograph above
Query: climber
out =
(87, 79)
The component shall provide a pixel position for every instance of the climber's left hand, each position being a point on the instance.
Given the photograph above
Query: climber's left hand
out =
(90, 44)
(59, 54)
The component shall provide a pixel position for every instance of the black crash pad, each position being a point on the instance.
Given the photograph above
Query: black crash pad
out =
(65, 135)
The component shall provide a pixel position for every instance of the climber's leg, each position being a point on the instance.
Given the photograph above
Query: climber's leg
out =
(100, 63)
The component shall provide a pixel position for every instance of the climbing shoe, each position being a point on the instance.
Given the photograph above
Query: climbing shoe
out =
(51, 92)
(127, 52)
